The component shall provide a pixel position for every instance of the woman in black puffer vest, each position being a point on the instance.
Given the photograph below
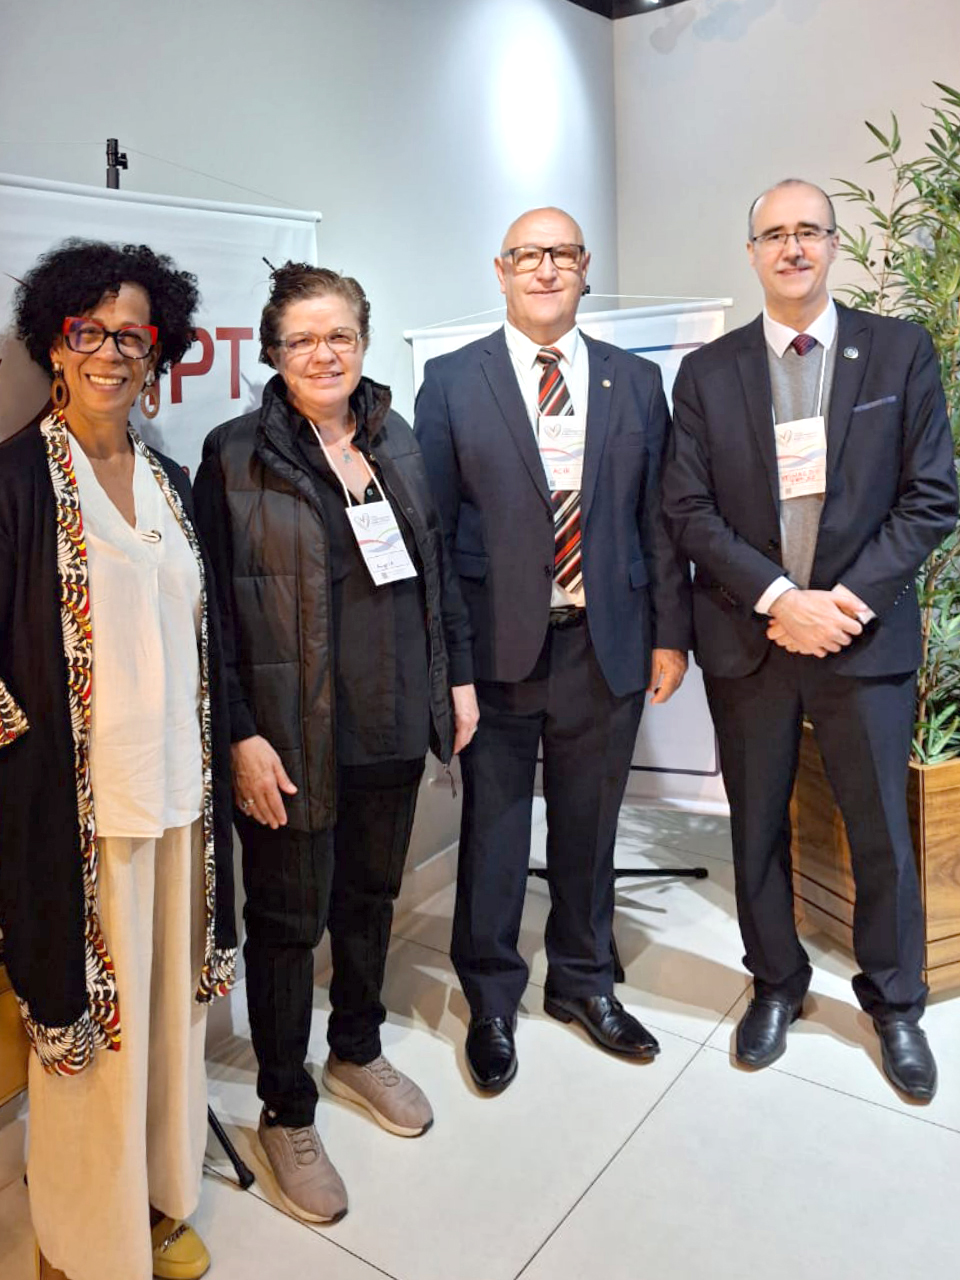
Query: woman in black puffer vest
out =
(345, 660)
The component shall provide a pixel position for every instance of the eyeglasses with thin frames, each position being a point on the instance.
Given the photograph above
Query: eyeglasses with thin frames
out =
(804, 236)
(85, 336)
(339, 341)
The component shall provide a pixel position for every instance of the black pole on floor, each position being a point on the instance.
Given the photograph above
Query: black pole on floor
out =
(244, 1176)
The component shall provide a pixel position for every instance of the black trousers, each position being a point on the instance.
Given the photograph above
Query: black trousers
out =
(296, 883)
(588, 737)
(863, 728)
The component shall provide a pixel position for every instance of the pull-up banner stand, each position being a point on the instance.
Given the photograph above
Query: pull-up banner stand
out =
(223, 245)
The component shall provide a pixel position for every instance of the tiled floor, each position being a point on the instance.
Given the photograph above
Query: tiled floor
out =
(591, 1168)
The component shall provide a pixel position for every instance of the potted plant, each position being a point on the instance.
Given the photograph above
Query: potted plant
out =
(909, 256)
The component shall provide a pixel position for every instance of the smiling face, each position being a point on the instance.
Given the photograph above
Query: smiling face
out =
(794, 279)
(104, 384)
(542, 304)
(320, 383)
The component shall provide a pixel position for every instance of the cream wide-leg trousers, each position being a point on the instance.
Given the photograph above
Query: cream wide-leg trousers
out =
(129, 1131)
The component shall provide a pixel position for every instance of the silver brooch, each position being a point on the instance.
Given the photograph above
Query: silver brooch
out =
(851, 353)
(607, 382)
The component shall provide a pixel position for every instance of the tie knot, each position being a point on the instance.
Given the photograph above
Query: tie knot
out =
(803, 343)
(548, 356)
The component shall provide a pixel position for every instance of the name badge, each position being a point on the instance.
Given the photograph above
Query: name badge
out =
(562, 438)
(381, 542)
(801, 457)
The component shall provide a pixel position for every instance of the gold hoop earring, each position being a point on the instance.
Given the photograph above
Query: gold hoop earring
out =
(150, 396)
(59, 391)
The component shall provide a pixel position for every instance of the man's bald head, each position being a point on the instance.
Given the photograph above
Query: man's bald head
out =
(542, 302)
(521, 229)
(830, 212)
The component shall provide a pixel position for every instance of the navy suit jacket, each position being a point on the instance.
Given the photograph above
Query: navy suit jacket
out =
(891, 494)
(489, 485)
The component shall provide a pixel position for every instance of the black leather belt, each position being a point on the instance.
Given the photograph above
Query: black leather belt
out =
(561, 619)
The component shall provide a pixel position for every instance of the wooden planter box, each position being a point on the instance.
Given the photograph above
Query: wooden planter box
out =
(822, 879)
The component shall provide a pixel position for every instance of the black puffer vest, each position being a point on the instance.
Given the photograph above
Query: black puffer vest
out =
(257, 505)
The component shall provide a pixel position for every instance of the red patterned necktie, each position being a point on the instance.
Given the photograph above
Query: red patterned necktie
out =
(803, 343)
(554, 399)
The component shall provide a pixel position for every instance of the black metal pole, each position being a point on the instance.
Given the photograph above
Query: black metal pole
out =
(116, 160)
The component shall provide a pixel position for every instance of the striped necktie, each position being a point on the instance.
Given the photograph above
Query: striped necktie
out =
(803, 343)
(553, 399)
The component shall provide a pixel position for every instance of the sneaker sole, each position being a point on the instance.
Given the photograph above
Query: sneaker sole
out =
(341, 1090)
(297, 1212)
(291, 1206)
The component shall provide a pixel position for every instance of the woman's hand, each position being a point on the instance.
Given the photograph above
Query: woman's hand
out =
(466, 715)
(258, 779)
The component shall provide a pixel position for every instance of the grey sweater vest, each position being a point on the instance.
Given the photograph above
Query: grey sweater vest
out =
(795, 381)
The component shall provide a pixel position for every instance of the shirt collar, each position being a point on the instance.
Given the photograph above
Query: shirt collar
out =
(824, 329)
(524, 350)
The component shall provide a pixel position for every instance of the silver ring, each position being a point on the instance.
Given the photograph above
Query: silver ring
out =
(247, 804)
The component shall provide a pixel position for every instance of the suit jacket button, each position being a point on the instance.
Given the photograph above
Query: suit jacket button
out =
(773, 545)
(548, 570)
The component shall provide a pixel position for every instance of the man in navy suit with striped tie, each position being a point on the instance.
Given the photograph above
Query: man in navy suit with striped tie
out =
(543, 450)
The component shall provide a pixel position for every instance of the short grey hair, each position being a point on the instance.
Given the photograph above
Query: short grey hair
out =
(789, 182)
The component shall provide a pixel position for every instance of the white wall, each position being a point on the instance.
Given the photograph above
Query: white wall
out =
(410, 124)
(407, 123)
(717, 99)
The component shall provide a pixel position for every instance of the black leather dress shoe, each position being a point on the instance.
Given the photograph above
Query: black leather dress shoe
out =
(906, 1056)
(607, 1022)
(762, 1031)
(491, 1053)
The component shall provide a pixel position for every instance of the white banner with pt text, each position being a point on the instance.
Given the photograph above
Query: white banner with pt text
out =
(223, 245)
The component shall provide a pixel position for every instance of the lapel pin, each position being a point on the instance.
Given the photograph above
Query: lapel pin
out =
(850, 353)
(606, 382)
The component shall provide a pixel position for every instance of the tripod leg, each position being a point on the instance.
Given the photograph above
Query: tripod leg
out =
(244, 1176)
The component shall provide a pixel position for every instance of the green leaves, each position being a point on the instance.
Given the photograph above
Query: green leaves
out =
(890, 145)
(909, 254)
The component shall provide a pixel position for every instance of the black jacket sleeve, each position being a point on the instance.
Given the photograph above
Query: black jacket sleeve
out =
(213, 523)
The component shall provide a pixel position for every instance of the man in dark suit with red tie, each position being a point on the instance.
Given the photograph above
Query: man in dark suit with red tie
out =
(811, 473)
(543, 450)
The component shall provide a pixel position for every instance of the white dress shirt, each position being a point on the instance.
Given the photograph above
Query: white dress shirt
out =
(145, 753)
(575, 367)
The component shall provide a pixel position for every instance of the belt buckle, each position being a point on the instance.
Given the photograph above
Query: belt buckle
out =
(566, 616)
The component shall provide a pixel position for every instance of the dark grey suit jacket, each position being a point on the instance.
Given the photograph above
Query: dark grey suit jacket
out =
(891, 492)
(491, 492)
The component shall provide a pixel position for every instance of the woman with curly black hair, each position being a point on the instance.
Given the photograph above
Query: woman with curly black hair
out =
(116, 894)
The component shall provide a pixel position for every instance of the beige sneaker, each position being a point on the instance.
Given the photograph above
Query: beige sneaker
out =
(395, 1102)
(309, 1185)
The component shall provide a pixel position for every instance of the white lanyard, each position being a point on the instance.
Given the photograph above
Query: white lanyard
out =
(375, 528)
(350, 500)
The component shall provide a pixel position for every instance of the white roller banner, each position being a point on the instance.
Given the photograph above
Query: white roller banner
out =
(223, 245)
